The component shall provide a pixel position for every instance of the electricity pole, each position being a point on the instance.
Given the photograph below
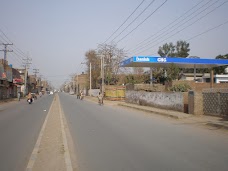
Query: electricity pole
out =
(6, 50)
(26, 64)
(35, 71)
(102, 74)
(90, 79)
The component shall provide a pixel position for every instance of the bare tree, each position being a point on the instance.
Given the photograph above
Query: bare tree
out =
(112, 58)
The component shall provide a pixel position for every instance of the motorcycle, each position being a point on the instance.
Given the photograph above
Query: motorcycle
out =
(100, 99)
(29, 101)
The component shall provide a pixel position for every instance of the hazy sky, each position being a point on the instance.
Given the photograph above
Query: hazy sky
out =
(57, 33)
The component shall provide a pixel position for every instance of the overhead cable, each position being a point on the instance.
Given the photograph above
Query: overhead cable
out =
(124, 21)
(179, 24)
(166, 27)
(142, 21)
(184, 27)
(208, 30)
(133, 20)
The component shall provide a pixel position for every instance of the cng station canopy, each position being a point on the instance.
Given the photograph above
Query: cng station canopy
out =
(151, 61)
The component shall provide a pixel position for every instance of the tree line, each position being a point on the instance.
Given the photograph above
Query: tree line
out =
(114, 75)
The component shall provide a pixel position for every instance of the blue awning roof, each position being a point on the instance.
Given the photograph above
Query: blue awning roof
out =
(151, 61)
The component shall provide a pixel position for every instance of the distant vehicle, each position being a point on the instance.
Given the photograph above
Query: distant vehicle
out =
(29, 101)
(71, 93)
(51, 92)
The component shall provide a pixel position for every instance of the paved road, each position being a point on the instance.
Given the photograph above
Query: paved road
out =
(20, 124)
(117, 139)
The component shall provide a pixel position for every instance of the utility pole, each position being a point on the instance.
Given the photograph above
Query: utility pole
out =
(26, 64)
(90, 79)
(102, 74)
(77, 85)
(35, 71)
(72, 86)
(6, 50)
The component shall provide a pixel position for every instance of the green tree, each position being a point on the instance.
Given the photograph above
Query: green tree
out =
(166, 50)
(181, 49)
(220, 70)
(172, 72)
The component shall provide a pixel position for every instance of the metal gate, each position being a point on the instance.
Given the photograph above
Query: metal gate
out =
(215, 102)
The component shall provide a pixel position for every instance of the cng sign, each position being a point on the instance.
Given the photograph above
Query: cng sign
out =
(161, 60)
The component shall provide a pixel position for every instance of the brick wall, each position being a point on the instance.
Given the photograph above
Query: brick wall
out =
(149, 87)
(200, 86)
(165, 100)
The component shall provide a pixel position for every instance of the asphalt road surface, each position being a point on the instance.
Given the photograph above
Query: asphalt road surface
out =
(20, 124)
(110, 138)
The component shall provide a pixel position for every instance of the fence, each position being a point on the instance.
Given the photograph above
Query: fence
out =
(215, 102)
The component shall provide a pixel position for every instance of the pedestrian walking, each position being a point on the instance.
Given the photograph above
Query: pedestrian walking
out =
(40, 94)
(19, 96)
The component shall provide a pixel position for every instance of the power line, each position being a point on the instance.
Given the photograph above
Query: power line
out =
(20, 55)
(208, 30)
(16, 59)
(167, 26)
(124, 21)
(14, 46)
(5, 36)
(184, 27)
(134, 20)
(179, 24)
(142, 21)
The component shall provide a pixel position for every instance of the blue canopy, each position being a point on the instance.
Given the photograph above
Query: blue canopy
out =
(151, 61)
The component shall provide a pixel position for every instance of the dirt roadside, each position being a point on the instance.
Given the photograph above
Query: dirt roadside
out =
(54, 148)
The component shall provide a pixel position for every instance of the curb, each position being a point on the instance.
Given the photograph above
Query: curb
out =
(153, 111)
(217, 125)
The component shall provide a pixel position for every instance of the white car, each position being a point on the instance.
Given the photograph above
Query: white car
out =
(71, 93)
(51, 92)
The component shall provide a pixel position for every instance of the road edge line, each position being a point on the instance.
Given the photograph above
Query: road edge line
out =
(33, 156)
(67, 157)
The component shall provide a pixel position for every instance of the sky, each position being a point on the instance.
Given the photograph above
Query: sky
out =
(56, 34)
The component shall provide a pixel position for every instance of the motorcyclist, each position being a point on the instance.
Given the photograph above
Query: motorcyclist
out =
(100, 98)
(81, 95)
(29, 97)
